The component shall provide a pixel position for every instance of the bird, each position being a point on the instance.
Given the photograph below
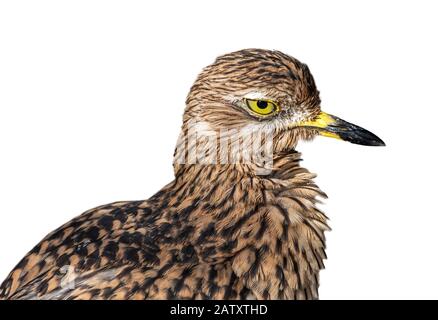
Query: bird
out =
(241, 218)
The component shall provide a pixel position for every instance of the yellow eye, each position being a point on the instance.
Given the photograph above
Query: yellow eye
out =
(262, 107)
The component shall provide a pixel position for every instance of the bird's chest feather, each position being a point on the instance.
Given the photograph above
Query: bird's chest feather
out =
(233, 236)
(282, 257)
(257, 238)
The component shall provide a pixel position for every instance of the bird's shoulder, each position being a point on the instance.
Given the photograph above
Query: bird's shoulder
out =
(108, 239)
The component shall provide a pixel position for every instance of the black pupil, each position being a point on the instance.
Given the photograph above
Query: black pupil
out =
(262, 104)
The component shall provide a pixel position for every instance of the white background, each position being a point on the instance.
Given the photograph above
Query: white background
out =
(92, 93)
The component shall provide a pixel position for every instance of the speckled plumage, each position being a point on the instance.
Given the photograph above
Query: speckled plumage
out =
(204, 246)
(218, 231)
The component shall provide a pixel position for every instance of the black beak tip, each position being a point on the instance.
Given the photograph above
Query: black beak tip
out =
(379, 143)
(370, 139)
(361, 136)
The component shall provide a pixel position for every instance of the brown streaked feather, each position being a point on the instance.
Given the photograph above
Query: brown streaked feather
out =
(144, 250)
(217, 231)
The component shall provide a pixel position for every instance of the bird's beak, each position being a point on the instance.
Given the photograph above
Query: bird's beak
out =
(331, 126)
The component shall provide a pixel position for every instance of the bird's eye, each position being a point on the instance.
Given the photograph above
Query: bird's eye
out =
(262, 107)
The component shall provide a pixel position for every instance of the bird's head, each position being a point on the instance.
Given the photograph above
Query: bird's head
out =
(264, 92)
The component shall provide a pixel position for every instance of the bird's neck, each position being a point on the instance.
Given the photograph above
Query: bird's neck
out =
(259, 224)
